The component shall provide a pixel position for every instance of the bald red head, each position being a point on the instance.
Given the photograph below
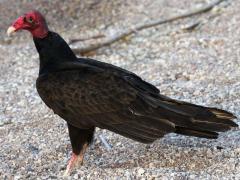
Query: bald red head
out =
(32, 21)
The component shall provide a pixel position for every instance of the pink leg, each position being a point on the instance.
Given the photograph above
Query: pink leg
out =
(75, 161)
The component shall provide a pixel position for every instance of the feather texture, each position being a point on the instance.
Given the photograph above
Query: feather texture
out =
(111, 98)
(89, 93)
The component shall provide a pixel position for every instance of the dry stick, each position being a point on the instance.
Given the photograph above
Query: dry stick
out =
(105, 143)
(86, 39)
(117, 37)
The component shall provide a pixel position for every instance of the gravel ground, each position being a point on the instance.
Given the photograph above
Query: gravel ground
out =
(200, 66)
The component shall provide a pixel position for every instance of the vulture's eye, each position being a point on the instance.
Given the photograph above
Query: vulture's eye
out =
(30, 19)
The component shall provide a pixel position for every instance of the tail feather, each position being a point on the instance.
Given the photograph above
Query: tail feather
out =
(216, 120)
(191, 119)
(196, 132)
(206, 122)
(219, 113)
(210, 126)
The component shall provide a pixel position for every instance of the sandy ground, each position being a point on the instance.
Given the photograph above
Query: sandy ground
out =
(199, 66)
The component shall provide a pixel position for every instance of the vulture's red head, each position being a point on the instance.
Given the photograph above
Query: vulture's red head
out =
(32, 21)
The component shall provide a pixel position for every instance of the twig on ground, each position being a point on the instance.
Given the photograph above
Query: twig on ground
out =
(105, 143)
(117, 37)
(192, 26)
(86, 39)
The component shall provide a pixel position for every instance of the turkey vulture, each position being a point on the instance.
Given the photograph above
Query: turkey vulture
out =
(88, 93)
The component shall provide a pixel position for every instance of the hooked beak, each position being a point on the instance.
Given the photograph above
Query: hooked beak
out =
(11, 30)
(17, 25)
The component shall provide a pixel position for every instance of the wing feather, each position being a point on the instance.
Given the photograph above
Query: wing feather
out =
(90, 93)
(102, 99)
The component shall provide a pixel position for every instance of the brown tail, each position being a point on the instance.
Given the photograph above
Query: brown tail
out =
(194, 120)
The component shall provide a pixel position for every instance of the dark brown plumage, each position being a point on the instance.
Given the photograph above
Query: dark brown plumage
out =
(87, 93)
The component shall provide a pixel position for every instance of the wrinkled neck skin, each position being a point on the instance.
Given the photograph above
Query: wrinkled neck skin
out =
(53, 51)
